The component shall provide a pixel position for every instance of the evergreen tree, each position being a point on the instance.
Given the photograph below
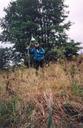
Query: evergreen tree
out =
(4, 57)
(43, 19)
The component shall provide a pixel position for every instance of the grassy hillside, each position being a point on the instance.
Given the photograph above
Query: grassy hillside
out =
(51, 99)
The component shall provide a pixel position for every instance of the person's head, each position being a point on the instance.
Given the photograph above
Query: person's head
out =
(36, 45)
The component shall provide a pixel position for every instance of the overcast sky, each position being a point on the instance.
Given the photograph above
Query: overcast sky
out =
(76, 16)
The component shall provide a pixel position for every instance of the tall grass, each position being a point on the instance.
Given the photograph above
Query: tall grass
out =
(42, 97)
(8, 112)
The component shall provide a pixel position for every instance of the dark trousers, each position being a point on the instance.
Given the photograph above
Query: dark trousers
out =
(39, 64)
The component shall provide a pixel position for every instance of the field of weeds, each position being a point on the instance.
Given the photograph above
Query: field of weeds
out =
(51, 98)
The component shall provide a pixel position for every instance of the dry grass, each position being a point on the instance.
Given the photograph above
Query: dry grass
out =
(25, 82)
(45, 94)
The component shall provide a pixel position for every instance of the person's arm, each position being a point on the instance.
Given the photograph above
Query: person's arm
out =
(31, 50)
(42, 51)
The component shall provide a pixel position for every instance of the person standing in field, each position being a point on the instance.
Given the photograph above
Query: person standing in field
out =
(38, 55)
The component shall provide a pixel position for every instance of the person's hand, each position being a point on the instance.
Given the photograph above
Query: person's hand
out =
(28, 47)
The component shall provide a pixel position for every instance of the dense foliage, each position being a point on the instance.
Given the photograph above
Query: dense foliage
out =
(9, 58)
(42, 19)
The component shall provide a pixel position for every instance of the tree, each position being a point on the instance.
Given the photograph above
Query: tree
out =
(40, 18)
(43, 19)
(10, 58)
(72, 48)
(4, 57)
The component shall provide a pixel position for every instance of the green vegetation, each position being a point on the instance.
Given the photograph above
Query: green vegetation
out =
(44, 20)
(77, 89)
(8, 112)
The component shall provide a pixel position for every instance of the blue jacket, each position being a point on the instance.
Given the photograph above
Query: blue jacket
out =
(38, 54)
